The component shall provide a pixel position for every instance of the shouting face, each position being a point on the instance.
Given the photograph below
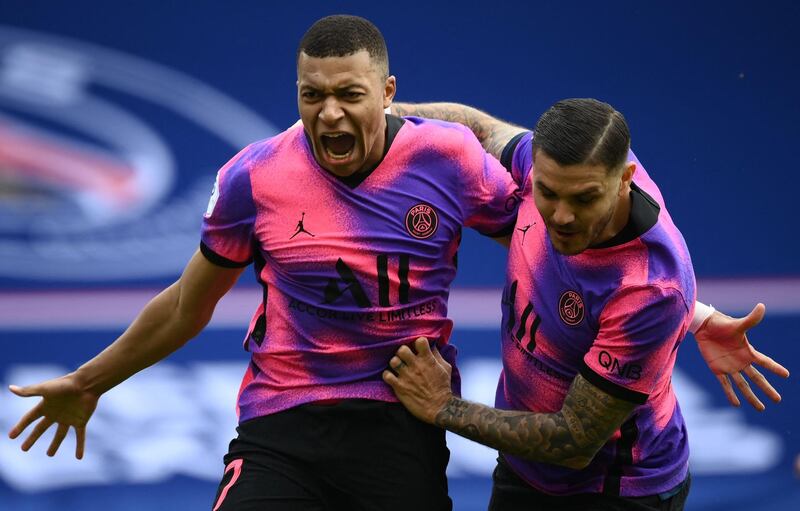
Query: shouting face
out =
(341, 102)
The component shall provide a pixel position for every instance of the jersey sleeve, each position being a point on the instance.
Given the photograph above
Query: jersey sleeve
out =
(640, 329)
(517, 157)
(491, 197)
(227, 232)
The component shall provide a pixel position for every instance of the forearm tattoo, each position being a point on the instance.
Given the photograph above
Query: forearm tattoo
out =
(492, 133)
(569, 437)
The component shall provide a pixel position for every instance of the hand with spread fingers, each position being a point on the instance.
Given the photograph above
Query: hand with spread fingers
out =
(64, 403)
(723, 343)
(420, 380)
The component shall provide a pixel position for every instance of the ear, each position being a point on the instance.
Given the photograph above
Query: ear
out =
(389, 90)
(628, 170)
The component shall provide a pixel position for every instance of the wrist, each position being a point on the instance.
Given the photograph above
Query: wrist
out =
(702, 313)
(87, 382)
(444, 412)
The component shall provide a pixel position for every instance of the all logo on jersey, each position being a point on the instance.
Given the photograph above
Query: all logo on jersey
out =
(524, 230)
(422, 221)
(571, 308)
(301, 228)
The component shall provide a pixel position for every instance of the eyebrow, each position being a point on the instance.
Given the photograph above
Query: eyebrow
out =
(592, 190)
(542, 187)
(339, 88)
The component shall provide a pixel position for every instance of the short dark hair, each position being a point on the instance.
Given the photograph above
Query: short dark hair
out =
(583, 131)
(341, 35)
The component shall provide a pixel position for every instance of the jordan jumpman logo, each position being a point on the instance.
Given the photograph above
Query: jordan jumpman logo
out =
(300, 228)
(525, 230)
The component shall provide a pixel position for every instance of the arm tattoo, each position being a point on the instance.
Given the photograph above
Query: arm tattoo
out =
(492, 133)
(569, 437)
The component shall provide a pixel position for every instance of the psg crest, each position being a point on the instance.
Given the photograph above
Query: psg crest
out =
(422, 221)
(570, 308)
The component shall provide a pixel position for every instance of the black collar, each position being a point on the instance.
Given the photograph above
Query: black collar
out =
(644, 215)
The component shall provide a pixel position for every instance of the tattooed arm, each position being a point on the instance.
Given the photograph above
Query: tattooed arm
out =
(570, 437)
(493, 133)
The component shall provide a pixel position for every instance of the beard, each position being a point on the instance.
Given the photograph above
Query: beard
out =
(593, 235)
(601, 225)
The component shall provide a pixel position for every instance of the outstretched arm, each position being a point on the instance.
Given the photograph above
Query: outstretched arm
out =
(722, 340)
(493, 133)
(570, 437)
(165, 324)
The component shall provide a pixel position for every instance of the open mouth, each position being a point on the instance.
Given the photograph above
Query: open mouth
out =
(338, 146)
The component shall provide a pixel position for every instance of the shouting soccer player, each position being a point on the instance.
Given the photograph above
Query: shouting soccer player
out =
(352, 220)
(599, 295)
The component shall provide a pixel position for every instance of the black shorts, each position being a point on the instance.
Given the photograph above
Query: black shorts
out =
(511, 493)
(352, 455)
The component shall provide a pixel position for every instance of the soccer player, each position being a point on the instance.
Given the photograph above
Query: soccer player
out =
(600, 292)
(352, 220)
(722, 340)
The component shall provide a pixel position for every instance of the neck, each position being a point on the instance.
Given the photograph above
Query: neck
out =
(619, 219)
(378, 148)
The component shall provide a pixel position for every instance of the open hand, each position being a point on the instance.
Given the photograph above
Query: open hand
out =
(63, 403)
(723, 343)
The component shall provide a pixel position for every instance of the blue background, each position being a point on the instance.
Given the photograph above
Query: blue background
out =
(709, 90)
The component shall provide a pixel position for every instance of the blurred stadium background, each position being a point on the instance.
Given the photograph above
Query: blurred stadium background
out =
(114, 118)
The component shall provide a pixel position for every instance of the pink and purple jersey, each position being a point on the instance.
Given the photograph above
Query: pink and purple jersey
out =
(351, 268)
(616, 314)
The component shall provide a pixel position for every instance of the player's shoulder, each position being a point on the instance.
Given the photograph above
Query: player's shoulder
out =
(667, 272)
(262, 151)
(290, 139)
(669, 260)
(517, 156)
(424, 124)
(655, 301)
(440, 133)
(642, 178)
(664, 241)
(649, 252)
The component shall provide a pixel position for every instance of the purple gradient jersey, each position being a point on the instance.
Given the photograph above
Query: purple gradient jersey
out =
(351, 268)
(616, 314)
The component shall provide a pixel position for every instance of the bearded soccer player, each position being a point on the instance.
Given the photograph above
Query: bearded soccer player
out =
(600, 292)
(352, 220)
